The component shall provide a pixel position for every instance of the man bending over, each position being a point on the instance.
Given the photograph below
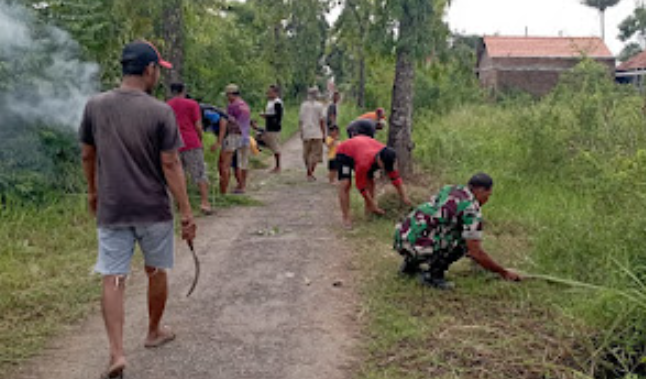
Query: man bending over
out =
(365, 156)
(445, 229)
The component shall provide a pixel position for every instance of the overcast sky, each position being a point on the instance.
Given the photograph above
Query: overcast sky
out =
(541, 17)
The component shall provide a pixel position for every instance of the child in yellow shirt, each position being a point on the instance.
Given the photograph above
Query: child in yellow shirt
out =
(332, 141)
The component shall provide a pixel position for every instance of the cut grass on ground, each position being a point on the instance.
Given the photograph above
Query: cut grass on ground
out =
(484, 329)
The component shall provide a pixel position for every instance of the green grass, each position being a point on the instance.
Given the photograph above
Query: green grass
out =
(568, 203)
(46, 259)
(486, 328)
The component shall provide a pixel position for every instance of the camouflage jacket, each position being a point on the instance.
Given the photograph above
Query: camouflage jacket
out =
(443, 224)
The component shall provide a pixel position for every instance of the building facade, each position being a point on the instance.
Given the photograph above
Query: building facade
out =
(535, 64)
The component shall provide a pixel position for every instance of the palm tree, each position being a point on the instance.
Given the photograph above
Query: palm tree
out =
(601, 5)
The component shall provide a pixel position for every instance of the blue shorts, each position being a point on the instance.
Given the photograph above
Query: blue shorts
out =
(117, 246)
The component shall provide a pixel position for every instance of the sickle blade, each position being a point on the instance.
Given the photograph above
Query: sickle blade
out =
(197, 269)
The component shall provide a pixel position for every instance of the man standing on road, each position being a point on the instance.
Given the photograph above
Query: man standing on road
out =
(240, 125)
(273, 123)
(333, 111)
(130, 145)
(189, 119)
(365, 156)
(311, 122)
(446, 229)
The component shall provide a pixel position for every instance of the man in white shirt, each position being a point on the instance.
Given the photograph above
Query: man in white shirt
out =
(311, 123)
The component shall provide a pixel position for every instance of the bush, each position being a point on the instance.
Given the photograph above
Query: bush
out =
(37, 160)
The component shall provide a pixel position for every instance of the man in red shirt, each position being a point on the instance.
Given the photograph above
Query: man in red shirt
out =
(189, 119)
(365, 156)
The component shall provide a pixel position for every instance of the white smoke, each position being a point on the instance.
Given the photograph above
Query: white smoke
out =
(42, 79)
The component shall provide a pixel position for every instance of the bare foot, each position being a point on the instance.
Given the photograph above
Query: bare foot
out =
(160, 338)
(275, 171)
(347, 224)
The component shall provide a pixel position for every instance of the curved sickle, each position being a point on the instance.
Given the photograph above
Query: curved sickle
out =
(197, 269)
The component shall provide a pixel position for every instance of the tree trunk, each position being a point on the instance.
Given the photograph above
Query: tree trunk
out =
(361, 91)
(277, 56)
(603, 25)
(173, 33)
(401, 114)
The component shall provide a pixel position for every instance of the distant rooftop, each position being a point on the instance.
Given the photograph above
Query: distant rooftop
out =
(546, 47)
(638, 62)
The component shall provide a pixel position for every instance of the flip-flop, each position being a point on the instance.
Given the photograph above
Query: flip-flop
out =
(115, 371)
(162, 340)
(206, 211)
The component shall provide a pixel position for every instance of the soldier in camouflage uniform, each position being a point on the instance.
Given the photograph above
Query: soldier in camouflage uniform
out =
(446, 229)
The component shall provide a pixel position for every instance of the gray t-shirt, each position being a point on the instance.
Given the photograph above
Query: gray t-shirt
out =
(130, 129)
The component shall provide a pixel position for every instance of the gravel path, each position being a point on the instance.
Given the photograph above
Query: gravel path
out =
(276, 298)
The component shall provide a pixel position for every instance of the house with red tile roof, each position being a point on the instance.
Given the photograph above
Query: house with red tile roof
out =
(535, 64)
(633, 71)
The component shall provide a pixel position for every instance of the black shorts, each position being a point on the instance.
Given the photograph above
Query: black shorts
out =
(344, 165)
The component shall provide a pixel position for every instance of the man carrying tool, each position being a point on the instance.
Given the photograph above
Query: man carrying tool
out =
(130, 144)
(445, 229)
(365, 156)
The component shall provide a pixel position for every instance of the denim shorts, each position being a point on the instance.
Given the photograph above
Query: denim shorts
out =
(117, 246)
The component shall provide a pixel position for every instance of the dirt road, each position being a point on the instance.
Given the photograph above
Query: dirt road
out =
(265, 307)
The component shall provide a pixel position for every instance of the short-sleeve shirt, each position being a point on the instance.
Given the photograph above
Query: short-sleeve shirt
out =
(369, 116)
(241, 114)
(188, 114)
(274, 115)
(130, 130)
(364, 127)
(332, 145)
(445, 223)
(311, 114)
(211, 117)
(362, 152)
(331, 111)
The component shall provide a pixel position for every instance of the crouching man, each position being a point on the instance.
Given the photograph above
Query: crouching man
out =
(445, 229)
(365, 156)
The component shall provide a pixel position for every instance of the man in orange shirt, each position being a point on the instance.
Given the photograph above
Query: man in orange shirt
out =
(378, 116)
(365, 156)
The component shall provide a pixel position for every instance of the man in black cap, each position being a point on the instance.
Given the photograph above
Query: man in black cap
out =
(130, 145)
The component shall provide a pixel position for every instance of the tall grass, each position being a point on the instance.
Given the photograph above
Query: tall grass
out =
(570, 171)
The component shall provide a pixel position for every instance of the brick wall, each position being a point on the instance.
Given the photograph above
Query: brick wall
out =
(537, 76)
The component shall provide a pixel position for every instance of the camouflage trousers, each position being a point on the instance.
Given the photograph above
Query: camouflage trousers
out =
(438, 262)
